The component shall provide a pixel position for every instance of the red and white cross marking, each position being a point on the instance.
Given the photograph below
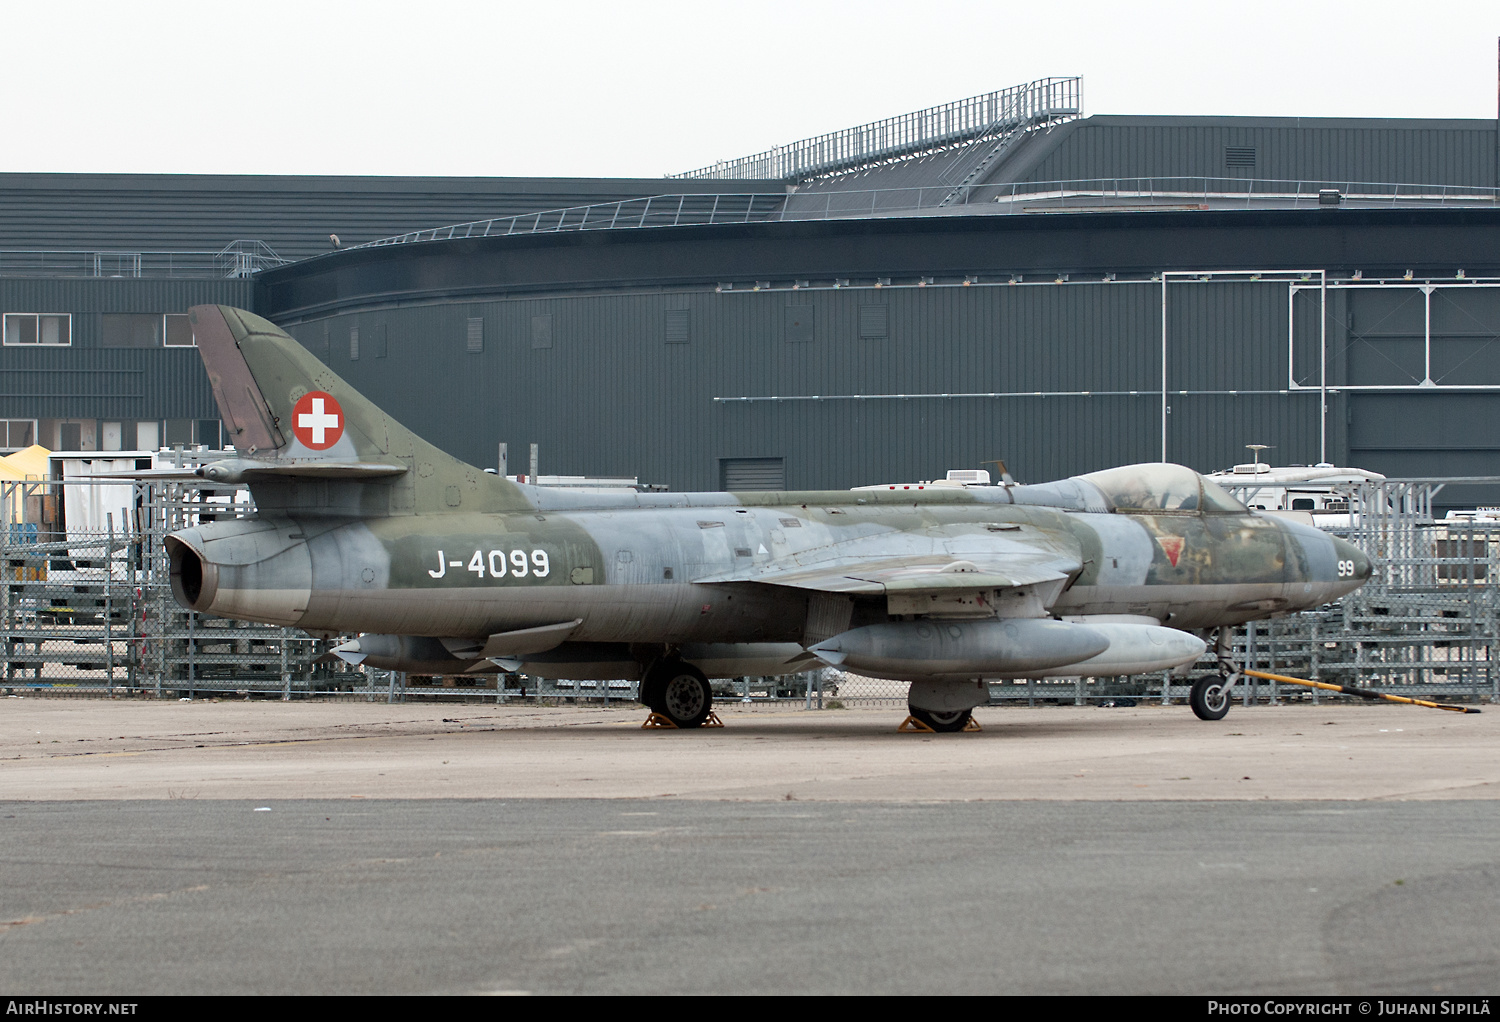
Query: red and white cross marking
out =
(317, 420)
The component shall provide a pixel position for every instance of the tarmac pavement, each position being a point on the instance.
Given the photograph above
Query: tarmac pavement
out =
(249, 847)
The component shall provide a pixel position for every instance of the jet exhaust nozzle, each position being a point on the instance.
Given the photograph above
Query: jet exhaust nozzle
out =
(195, 579)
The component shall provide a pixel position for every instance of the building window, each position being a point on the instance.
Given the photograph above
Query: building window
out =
(132, 330)
(179, 332)
(17, 434)
(39, 328)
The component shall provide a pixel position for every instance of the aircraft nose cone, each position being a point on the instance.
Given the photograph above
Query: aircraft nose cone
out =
(1354, 567)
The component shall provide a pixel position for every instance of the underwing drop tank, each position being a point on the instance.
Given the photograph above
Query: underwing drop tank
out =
(1009, 648)
(961, 649)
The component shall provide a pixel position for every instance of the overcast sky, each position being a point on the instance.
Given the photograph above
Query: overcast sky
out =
(645, 89)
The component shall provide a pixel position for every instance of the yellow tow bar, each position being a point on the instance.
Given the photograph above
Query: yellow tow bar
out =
(1362, 693)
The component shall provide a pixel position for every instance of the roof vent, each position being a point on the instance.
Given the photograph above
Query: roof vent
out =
(969, 476)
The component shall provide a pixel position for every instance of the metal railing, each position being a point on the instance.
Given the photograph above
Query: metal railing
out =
(922, 131)
(676, 210)
(238, 259)
(651, 211)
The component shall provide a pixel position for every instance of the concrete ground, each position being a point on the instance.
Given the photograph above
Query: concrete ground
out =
(261, 847)
(97, 749)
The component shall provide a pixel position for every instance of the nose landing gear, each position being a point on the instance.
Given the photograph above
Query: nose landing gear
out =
(1209, 696)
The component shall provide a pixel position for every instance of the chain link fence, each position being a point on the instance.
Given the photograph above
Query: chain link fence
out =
(89, 611)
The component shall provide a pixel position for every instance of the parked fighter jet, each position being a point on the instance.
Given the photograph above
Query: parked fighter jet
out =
(362, 527)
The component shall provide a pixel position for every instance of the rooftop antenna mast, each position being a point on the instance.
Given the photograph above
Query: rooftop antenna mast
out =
(1256, 449)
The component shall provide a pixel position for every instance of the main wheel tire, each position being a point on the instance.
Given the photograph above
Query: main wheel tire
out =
(1208, 698)
(686, 697)
(653, 685)
(941, 720)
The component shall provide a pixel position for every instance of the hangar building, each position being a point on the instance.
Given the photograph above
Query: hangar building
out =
(997, 278)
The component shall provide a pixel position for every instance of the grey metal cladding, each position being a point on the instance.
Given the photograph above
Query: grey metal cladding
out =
(294, 214)
(1424, 151)
(87, 380)
(639, 407)
(800, 319)
(541, 330)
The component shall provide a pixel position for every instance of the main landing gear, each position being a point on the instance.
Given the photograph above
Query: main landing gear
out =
(677, 694)
(1209, 696)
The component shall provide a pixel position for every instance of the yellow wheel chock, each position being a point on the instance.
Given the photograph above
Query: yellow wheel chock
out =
(657, 720)
(913, 726)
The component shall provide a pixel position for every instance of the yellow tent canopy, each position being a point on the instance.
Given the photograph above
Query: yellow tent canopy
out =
(23, 466)
(32, 463)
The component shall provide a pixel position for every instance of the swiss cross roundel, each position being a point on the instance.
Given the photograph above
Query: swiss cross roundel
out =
(317, 420)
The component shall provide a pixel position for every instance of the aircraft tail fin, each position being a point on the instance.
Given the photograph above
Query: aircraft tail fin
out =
(308, 441)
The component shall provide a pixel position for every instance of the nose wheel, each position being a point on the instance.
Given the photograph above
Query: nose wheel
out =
(1209, 697)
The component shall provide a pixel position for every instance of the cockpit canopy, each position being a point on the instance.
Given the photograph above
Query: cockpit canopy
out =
(1162, 489)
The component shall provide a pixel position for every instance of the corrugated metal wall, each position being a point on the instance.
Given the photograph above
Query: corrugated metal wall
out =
(612, 397)
(293, 214)
(1460, 152)
(87, 380)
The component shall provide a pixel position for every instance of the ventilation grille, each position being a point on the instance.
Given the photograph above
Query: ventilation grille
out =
(741, 474)
(676, 327)
(1239, 156)
(476, 334)
(873, 321)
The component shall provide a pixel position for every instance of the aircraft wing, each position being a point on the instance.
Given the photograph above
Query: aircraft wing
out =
(869, 566)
